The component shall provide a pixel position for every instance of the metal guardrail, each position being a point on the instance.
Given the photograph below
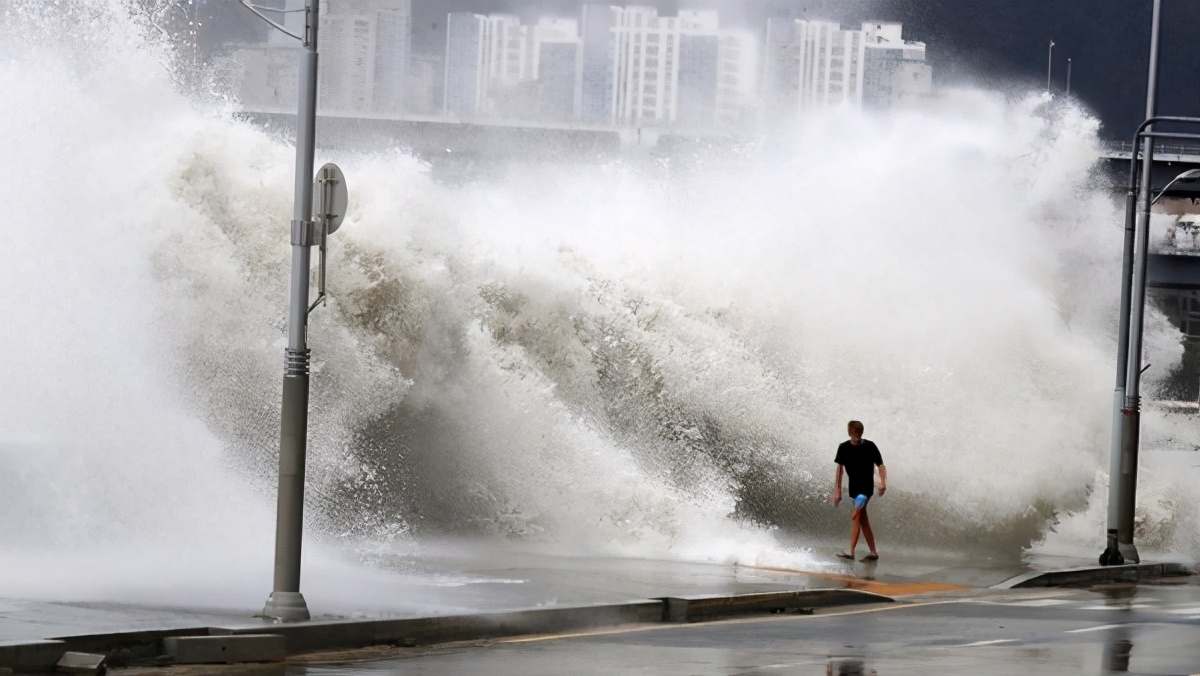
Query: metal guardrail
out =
(1126, 148)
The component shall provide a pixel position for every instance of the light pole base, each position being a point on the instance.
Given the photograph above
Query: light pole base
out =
(1130, 552)
(1112, 554)
(286, 607)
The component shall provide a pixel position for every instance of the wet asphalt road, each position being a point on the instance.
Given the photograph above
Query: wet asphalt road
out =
(1151, 629)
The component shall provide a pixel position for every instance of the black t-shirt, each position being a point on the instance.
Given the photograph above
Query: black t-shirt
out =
(860, 462)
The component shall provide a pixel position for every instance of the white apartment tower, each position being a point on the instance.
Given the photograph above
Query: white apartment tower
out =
(507, 54)
(364, 55)
(487, 57)
(831, 65)
(737, 78)
(678, 70)
(646, 66)
(594, 69)
(557, 57)
(895, 72)
(814, 64)
(463, 94)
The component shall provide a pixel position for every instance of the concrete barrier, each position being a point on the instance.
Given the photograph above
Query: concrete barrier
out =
(1085, 575)
(347, 634)
(228, 649)
(31, 656)
(82, 663)
(127, 647)
(273, 642)
(697, 608)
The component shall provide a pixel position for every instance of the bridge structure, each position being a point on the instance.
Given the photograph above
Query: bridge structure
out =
(435, 136)
(1173, 262)
(1169, 162)
(1174, 268)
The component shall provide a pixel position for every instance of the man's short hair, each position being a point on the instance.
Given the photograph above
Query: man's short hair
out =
(856, 426)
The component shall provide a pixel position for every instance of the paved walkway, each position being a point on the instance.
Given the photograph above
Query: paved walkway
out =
(460, 582)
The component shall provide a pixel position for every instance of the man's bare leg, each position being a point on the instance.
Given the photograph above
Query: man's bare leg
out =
(870, 537)
(855, 528)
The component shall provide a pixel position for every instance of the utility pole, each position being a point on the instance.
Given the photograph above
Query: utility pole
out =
(286, 603)
(1068, 78)
(309, 229)
(1049, 66)
(1122, 480)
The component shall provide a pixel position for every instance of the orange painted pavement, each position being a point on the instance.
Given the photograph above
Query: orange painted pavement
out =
(873, 586)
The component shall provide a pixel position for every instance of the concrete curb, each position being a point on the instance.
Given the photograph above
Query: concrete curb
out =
(305, 637)
(698, 608)
(225, 649)
(1132, 572)
(23, 656)
(162, 647)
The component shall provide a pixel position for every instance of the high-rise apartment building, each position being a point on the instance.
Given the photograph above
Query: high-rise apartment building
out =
(463, 93)
(594, 74)
(645, 69)
(814, 64)
(364, 47)
(678, 70)
(831, 64)
(490, 63)
(556, 54)
(781, 72)
(737, 79)
(507, 53)
(699, 80)
(895, 72)
(264, 76)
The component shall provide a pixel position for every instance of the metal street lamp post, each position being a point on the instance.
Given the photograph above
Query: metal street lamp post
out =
(1126, 398)
(286, 603)
(1049, 66)
(1189, 176)
(1126, 402)
(308, 229)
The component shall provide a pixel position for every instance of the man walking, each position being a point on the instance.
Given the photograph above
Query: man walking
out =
(858, 458)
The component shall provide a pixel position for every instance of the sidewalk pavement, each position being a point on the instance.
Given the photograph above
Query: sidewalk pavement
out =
(526, 589)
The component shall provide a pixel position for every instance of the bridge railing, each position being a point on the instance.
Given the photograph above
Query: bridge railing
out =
(1126, 148)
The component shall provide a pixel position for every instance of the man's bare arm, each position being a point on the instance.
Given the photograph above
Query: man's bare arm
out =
(837, 487)
(882, 479)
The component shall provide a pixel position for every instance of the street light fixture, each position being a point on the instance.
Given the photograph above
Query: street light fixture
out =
(1126, 397)
(1189, 176)
(1049, 66)
(286, 603)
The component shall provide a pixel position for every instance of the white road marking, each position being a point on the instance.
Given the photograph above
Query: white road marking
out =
(1099, 628)
(1184, 611)
(1037, 603)
(992, 642)
(1132, 606)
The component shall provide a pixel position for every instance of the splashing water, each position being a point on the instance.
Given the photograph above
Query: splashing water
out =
(645, 357)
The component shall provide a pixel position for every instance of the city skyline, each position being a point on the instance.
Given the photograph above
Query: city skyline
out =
(974, 43)
(611, 65)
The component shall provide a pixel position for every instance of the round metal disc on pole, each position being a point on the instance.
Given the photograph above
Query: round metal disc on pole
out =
(330, 197)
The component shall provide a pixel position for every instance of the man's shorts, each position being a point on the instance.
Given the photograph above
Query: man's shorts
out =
(861, 501)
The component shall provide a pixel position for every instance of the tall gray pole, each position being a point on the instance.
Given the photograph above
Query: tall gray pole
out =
(1122, 490)
(1068, 78)
(286, 603)
(1049, 65)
